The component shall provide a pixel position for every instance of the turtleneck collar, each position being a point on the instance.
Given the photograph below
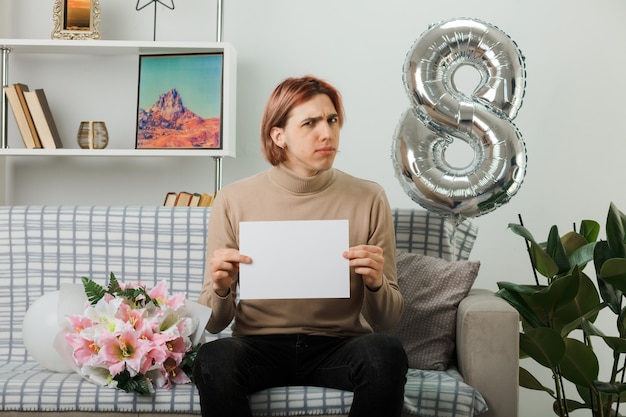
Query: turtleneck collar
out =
(290, 181)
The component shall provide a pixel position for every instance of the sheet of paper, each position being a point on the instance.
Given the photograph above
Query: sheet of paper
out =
(294, 259)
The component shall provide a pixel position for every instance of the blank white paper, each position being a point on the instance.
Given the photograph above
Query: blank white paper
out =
(294, 259)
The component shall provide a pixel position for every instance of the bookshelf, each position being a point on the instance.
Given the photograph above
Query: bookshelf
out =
(93, 51)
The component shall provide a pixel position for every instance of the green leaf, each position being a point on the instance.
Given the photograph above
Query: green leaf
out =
(621, 323)
(590, 230)
(613, 271)
(601, 252)
(615, 232)
(187, 363)
(520, 288)
(139, 383)
(615, 343)
(542, 261)
(585, 300)
(580, 364)
(609, 294)
(521, 231)
(572, 241)
(556, 251)
(590, 397)
(590, 329)
(611, 393)
(527, 380)
(114, 285)
(512, 293)
(560, 292)
(583, 255)
(591, 315)
(138, 296)
(574, 405)
(93, 290)
(544, 345)
(605, 387)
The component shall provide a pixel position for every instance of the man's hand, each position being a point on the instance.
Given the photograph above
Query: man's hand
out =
(225, 269)
(368, 261)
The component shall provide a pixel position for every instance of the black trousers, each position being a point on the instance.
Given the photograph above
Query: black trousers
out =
(373, 366)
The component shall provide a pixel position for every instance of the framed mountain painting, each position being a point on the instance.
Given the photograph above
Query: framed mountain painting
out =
(179, 102)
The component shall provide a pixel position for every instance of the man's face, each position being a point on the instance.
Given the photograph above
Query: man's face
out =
(310, 136)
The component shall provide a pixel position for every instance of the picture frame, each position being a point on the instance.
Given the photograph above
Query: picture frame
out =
(180, 101)
(76, 19)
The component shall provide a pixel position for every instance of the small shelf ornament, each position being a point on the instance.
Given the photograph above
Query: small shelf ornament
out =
(142, 4)
(76, 19)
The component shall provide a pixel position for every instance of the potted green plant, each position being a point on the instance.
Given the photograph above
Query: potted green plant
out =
(558, 314)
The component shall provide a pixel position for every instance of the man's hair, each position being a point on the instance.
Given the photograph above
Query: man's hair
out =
(288, 94)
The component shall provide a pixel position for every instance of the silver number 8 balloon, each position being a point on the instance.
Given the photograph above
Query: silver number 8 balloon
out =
(440, 114)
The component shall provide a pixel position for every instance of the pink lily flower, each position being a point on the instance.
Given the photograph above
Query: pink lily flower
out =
(176, 349)
(123, 351)
(132, 316)
(159, 293)
(85, 350)
(158, 349)
(173, 374)
(79, 323)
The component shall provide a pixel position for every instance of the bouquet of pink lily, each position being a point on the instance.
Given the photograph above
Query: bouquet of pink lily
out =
(133, 338)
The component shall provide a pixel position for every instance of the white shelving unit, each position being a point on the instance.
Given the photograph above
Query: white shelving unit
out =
(41, 50)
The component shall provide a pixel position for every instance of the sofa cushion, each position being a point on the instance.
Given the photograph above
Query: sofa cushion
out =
(426, 394)
(441, 394)
(419, 231)
(432, 290)
(31, 388)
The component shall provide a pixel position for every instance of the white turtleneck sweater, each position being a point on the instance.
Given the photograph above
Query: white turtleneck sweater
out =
(281, 194)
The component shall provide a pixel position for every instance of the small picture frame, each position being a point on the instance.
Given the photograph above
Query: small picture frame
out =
(180, 101)
(76, 19)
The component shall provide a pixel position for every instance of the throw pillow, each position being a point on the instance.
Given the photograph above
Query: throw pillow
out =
(432, 289)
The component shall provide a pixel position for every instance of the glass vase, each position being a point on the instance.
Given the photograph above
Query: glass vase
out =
(93, 135)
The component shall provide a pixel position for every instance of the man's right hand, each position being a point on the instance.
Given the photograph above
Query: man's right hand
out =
(225, 269)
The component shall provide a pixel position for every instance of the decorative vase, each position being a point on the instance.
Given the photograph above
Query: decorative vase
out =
(93, 135)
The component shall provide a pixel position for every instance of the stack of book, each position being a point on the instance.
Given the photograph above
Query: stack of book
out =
(33, 116)
(183, 198)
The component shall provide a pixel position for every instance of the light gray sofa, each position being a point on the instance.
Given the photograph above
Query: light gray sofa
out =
(44, 246)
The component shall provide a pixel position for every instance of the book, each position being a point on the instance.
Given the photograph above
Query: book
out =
(44, 121)
(183, 198)
(21, 114)
(170, 199)
(21, 89)
(205, 200)
(195, 199)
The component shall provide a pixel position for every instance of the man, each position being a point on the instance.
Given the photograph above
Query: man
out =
(319, 342)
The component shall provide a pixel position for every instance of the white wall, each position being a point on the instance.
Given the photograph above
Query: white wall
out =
(5, 18)
(5, 31)
(570, 120)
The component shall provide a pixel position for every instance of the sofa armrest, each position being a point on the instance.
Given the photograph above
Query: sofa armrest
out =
(487, 338)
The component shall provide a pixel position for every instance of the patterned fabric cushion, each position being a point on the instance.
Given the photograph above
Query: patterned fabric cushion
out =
(42, 247)
(29, 387)
(419, 231)
(441, 394)
(426, 394)
(432, 290)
